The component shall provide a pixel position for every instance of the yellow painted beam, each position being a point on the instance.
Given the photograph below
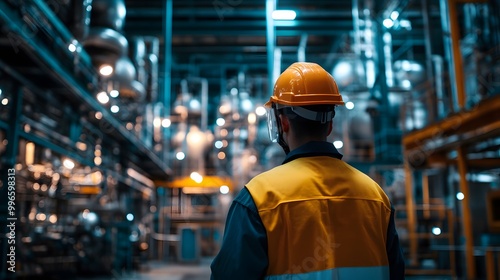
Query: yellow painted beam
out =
(483, 116)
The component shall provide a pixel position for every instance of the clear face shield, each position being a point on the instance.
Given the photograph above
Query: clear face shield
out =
(272, 124)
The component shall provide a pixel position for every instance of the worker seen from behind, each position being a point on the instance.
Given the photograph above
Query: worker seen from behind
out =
(314, 216)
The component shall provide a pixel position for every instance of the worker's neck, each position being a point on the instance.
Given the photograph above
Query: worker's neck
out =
(295, 142)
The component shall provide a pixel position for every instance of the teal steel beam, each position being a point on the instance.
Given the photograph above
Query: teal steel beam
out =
(271, 44)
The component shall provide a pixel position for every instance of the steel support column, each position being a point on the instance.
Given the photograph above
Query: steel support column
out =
(457, 55)
(271, 44)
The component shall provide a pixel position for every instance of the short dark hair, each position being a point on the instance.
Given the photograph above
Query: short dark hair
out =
(308, 127)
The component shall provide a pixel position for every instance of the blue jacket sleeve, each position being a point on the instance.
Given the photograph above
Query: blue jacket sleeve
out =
(394, 253)
(243, 254)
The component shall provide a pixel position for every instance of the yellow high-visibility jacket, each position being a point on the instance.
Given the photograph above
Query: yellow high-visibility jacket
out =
(323, 219)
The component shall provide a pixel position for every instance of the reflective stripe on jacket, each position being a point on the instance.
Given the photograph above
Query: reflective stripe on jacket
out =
(324, 220)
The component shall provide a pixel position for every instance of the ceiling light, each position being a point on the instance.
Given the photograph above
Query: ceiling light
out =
(71, 47)
(166, 123)
(436, 230)
(180, 156)
(114, 93)
(284, 15)
(220, 121)
(130, 217)
(246, 105)
(106, 70)
(218, 144)
(224, 189)
(115, 109)
(252, 118)
(338, 144)
(460, 195)
(349, 105)
(68, 164)
(388, 23)
(260, 111)
(394, 15)
(103, 97)
(5, 101)
(195, 176)
(221, 155)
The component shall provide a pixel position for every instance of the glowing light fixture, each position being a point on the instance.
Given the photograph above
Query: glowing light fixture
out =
(106, 70)
(157, 122)
(220, 122)
(349, 105)
(68, 164)
(130, 217)
(388, 23)
(5, 101)
(436, 231)
(460, 195)
(114, 93)
(338, 144)
(115, 109)
(218, 144)
(103, 97)
(195, 176)
(180, 156)
(252, 118)
(260, 111)
(224, 189)
(246, 105)
(166, 123)
(284, 15)
(394, 15)
(71, 47)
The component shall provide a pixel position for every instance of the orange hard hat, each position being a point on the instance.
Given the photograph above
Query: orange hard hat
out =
(303, 84)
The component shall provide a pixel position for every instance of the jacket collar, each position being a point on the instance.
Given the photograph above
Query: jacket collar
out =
(312, 149)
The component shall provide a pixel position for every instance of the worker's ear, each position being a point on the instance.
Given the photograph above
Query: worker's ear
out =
(285, 123)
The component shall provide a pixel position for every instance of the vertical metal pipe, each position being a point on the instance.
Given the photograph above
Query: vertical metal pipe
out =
(301, 52)
(431, 107)
(457, 55)
(357, 31)
(439, 85)
(204, 105)
(448, 52)
(167, 69)
(388, 59)
(466, 222)
(271, 44)
(166, 96)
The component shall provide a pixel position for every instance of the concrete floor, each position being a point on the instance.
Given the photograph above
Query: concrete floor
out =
(165, 271)
(174, 271)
